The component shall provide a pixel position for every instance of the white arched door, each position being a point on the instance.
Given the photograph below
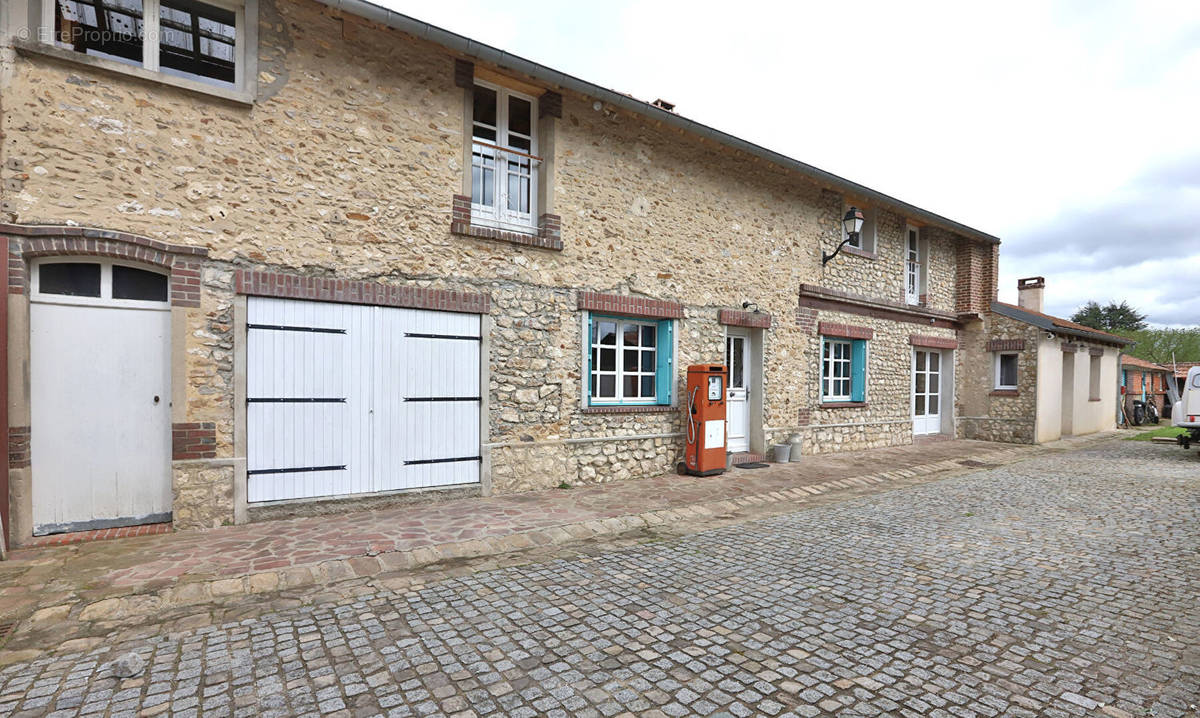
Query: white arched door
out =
(100, 395)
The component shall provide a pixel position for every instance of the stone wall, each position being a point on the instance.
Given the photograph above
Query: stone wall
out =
(347, 166)
(203, 494)
(987, 414)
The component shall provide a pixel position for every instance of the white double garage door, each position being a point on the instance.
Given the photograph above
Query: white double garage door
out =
(348, 399)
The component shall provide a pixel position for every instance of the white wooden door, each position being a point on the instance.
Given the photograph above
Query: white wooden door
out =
(348, 399)
(100, 395)
(737, 405)
(927, 391)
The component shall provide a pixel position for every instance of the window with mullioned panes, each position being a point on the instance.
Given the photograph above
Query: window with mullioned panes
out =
(503, 158)
(629, 361)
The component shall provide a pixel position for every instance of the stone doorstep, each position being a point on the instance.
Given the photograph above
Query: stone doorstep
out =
(192, 593)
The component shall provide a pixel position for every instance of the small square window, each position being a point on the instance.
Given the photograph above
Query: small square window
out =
(1006, 372)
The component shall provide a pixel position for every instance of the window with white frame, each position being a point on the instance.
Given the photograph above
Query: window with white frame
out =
(503, 158)
(866, 236)
(628, 360)
(843, 370)
(199, 41)
(1006, 371)
(912, 272)
(835, 370)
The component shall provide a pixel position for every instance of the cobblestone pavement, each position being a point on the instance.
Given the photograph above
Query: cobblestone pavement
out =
(1062, 585)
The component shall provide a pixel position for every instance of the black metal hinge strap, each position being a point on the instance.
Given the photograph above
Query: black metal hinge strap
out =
(442, 461)
(285, 328)
(467, 337)
(295, 470)
(441, 398)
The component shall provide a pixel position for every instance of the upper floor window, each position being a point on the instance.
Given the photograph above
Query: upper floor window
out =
(912, 270)
(503, 158)
(199, 41)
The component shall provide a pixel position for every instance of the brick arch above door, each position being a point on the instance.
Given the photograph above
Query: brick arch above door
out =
(25, 242)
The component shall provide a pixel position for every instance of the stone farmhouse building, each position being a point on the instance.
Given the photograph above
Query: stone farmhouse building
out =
(271, 256)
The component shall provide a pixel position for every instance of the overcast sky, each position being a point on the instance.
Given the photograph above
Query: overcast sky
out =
(1069, 128)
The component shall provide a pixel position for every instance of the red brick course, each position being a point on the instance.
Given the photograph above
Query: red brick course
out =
(18, 447)
(324, 289)
(194, 440)
(737, 318)
(630, 306)
(844, 331)
(547, 236)
(98, 535)
(1006, 345)
(922, 340)
(27, 242)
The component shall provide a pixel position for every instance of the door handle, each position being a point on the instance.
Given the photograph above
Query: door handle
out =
(156, 399)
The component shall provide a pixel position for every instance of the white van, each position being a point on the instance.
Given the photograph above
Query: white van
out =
(1185, 412)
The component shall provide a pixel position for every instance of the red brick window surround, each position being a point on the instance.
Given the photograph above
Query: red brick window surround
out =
(844, 331)
(346, 291)
(548, 234)
(630, 306)
(1006, 345)
(27, 242)
(930, 342)
(737, 318)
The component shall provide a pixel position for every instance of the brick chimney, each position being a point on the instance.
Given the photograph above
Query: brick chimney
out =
(1029, 293)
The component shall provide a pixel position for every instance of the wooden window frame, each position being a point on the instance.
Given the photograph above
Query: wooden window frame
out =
(497, 214)
(997, 384)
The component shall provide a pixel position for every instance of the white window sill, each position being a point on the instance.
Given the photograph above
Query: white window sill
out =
(27, 47)
(481, 221)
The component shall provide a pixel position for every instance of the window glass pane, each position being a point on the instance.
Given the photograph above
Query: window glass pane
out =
(197, 40)
(649, 334)
(648, 361)
(485, 113)
(519, 116)
(827, 350)
(920, 361)
(631, 360)
(920, 383)
(1008, 370)
(648, 386)
(934, 359)
(933, 404)
(103, 28)
(132, 283)
(608, 386)
(70, 278)
(608, 332)
(630, 335)
(608, 360)
(631, 387)
(920, 405)
(933, 383)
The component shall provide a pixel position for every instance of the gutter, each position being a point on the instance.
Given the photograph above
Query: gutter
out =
(495, 56)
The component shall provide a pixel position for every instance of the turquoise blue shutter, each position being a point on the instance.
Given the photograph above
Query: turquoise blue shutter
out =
(664, 377)
(858, 370)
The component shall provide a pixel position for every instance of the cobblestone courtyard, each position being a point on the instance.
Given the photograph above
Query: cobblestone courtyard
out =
(1065, 584)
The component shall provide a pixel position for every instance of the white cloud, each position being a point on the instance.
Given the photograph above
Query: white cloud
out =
(1011, 117)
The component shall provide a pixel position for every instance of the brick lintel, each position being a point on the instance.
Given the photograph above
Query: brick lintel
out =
(346, 291)
(630, 306)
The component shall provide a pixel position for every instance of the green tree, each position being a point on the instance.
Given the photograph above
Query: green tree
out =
(1160, 345)
(1112, 317)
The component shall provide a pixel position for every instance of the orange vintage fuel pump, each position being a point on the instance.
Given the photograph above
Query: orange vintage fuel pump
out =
(704, 454)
